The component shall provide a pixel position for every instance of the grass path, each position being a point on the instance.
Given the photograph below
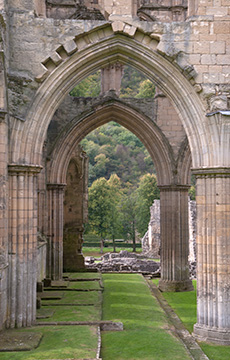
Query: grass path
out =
(147, 334)
(184, 305)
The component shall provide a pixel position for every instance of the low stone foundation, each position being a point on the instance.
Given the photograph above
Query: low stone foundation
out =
(124, 262)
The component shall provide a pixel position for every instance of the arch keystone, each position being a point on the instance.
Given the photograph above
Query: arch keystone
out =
(130, 30)
(118, 26)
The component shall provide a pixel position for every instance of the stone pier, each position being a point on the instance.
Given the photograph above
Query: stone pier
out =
(174, 239)
(213, 255)
(55, 231)
(22, 274)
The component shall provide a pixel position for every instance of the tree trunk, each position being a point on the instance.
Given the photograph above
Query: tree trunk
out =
(114, 245)
(102, 245)
(134, 238)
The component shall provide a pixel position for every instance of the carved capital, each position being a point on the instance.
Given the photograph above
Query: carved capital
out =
(56, 186)
(174, 187)
(216, 172)
(19, 169)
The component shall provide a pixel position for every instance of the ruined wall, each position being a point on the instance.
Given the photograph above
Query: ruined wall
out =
(169, 122)
(75, 210)
(162, 10)
(151, 241)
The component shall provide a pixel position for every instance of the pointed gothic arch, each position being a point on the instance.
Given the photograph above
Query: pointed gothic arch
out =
(91, 52)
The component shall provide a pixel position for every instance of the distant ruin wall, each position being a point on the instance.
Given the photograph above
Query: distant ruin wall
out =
(151, 239)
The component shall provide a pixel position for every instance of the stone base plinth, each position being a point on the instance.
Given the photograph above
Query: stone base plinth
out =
(211, 334)
(73, 262)
(175, 286)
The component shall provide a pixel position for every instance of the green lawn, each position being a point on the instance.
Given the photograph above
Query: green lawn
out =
(83, 275)
(184, 305)
(59, 342)
(146, 334)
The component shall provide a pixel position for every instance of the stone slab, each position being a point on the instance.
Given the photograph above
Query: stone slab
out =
(44, 313)
(13, 340)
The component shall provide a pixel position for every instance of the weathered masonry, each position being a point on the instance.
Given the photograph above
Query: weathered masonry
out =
(47, 47)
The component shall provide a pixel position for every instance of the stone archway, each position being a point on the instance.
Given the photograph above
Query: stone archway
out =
(173, 179)
(93, 51)
(207, 138)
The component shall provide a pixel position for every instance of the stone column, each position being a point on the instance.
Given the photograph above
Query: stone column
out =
(40, 8)
(22, 245)
(111, 77)
(3, 217)
(174, 239)
(213, 255)
(55, 231)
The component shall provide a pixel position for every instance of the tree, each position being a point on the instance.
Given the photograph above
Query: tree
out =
(146, 89)
(128, 212)
(146, 193)
(100, 208)
(88, 87)
(116, 195)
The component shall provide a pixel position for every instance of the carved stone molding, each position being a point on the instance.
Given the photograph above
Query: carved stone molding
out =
(56, 186)
(16, 169)
(174, 187)
(216, 172)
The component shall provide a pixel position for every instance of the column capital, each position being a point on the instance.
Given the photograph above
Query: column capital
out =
(208, 172)
(16, 169)
(56, 186)
(174, 187)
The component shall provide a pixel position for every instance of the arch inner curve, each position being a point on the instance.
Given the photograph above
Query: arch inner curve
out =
(116, 47)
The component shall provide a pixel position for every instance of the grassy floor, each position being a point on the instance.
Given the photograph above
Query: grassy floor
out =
(82, 275)
(59, 343)
(73, 313)
(72, 297)
(146, 332)
(62, 342)
(184, 305)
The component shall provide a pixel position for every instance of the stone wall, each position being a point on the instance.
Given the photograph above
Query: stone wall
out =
(151, 242)
(75, 211)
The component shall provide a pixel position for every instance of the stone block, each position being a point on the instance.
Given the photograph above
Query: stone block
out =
(223, 59)
(217, 47)
(70, 47)
(217, 11)
(130, 30)
(221, 27)
(207, 59)
(201, 47)
(112, 326)
(118, 26)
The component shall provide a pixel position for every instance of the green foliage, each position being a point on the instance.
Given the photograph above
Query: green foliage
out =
(89, 87)
(128, 217)
(100, 207)
(192, 192)
(112, 149)
(146, 193)
(134, 84)
(146, 90)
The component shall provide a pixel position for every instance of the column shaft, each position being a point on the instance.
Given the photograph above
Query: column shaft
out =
(174, 239)
(55, 231)
(213, 256)
(3, 218)
(22, 245)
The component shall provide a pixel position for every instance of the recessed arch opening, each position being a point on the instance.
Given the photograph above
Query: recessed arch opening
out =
(141, 126)
(127, 51)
